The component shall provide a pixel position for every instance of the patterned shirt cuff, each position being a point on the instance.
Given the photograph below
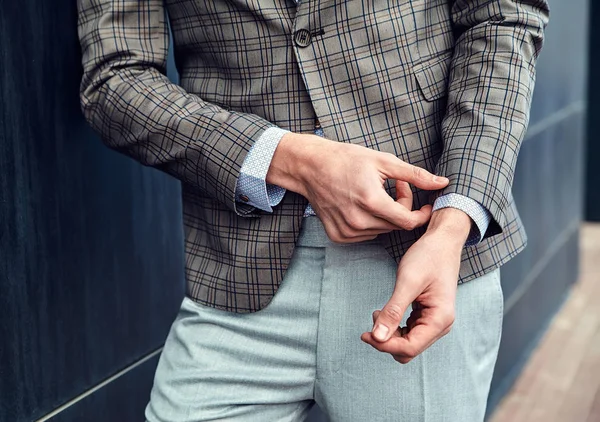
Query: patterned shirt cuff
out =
(252, 187)
(480, 216)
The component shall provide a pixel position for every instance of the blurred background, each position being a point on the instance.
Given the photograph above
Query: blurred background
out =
(91, 255)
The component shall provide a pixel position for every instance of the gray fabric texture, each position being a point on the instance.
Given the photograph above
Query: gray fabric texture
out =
(305, 347)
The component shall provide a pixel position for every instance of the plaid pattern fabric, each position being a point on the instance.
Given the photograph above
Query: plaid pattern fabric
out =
(445, 85)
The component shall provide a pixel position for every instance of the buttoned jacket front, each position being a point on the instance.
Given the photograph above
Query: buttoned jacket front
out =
(444, 85)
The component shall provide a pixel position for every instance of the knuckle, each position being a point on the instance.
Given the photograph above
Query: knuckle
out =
(339, 239)
(347, 232)
(410, 224)
(402, 222)
(418, 172)
(335, 238)
(356, 222)
(410, 277)
(410, 353)
(334, 235)
(402, 359)
(368, 202)
(387, 158)
(447, 320)
(393, 312)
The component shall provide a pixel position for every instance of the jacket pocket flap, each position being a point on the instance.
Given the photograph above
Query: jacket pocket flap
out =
(432, 75)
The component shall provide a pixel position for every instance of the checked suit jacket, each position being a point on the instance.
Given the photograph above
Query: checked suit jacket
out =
(442, 84)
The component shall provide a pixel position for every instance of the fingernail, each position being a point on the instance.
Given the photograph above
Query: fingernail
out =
(380, 332)
(441, 179)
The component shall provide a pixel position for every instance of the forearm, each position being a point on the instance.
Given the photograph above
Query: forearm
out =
(490, 89)
(293, 156)
(479, 215)
(451, 223)
(127, 98)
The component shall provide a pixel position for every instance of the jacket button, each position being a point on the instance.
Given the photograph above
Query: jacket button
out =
(244, 198)
(302, 38)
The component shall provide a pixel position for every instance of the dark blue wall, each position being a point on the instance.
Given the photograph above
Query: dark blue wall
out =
(91, 244)
(592, 209)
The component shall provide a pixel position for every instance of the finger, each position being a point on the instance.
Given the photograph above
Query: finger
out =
(367, 224)
(402, 331)
(353, 239)
(410, 322)
(390, 317)
(375, 314)
(409, 343)
(395, 168)
(359, 239)
(397, 214)
(404, 195)
(346, 235)
(415, 342)
(405, 294)
(399, 346)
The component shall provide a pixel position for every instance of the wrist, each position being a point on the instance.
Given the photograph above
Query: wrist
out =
(292, 158)
(452, 224)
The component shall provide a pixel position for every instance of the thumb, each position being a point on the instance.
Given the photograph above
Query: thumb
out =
(388, 320)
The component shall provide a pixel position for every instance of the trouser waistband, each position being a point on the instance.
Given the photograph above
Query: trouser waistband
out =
(312, 233)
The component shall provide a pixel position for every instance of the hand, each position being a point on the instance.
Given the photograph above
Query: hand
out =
(427, 277)
(345, 185)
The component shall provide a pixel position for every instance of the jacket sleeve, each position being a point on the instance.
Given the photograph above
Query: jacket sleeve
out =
(491, 81)
(127, 98)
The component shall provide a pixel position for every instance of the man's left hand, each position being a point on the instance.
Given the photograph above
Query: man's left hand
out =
(427, 278)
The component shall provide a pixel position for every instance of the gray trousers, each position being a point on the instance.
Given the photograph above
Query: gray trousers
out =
(305, 347)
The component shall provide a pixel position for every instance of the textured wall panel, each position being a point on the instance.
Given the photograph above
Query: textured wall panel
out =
(592, 209)
(90, 242)
(548, 189)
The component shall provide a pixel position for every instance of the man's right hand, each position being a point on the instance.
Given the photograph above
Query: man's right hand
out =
(345, 185)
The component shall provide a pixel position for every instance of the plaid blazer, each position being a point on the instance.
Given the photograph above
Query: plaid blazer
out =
(442, 84)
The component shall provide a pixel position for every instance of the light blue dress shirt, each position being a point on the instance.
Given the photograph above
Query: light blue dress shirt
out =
(255, 191)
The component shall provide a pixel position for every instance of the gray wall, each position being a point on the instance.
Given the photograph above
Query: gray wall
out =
(548, 189)
(91, 246)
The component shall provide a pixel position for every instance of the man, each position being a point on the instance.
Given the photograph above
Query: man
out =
(278, 299)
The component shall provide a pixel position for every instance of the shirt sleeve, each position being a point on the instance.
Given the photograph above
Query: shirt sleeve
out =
(481, 217)
(252, 187)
